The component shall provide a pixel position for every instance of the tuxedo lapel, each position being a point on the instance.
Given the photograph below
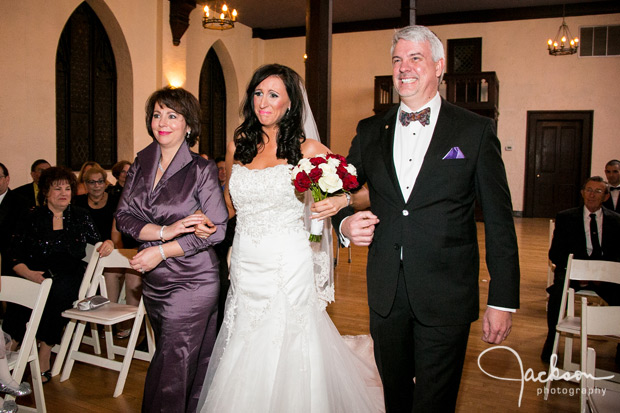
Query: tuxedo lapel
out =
(436, 150)
(387, 147)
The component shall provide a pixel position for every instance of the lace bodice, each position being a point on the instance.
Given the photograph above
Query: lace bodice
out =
(265, 200)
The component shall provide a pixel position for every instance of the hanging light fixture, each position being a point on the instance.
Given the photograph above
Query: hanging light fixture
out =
(218, 17)
(563, 43)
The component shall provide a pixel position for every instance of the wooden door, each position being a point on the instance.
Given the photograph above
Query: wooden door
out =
(557, 160)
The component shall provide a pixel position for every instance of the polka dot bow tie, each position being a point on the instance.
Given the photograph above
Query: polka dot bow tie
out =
(423, 116)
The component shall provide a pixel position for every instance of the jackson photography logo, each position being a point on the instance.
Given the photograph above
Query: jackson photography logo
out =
(528, 375)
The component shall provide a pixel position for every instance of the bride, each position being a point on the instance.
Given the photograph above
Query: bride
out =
(278, 350)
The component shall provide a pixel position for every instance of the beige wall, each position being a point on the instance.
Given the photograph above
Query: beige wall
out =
(529, 78)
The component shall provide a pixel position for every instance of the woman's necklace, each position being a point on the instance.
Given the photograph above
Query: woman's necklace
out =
(161, 168)
(59, 217)
(96, 203)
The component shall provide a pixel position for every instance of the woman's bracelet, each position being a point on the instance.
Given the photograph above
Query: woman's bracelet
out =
(348, 195)
(161, 251)
(161, 233)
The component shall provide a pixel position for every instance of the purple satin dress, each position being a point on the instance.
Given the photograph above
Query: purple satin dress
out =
(180, 294)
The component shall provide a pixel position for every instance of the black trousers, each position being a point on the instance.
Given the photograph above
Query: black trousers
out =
(406, 348)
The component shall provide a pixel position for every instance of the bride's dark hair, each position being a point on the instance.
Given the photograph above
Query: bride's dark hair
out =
(248, 136)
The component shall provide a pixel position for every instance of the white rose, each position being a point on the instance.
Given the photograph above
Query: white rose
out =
(330, 183)
(333, 162)
(351, 169)
(305, 165)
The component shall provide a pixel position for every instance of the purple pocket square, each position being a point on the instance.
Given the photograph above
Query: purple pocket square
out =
(454, 153)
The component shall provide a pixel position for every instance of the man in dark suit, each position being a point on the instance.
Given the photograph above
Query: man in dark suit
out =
(424, 171)
(573, 235)
(28, 192)
(8, 208)
(612, 173)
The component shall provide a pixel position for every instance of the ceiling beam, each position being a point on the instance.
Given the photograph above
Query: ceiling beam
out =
(479, 16)
(179, 18)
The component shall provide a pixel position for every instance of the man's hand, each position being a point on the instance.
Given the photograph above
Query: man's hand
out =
(496, 325)
(360, 228)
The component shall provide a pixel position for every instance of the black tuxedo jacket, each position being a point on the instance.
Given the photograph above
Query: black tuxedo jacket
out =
(609, 204)
(569, 237)
(436, 227)
(26, 195)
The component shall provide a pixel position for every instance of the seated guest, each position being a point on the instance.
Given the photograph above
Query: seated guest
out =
(119, 171)
(97, 201)
(28, 192)
(51, 242)
(220, 161)
(101, 205)
(588, 232)
(8, 209)
(81, 186)
(612, 173)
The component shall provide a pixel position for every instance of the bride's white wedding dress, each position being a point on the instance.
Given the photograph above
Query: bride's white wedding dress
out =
(278, 350)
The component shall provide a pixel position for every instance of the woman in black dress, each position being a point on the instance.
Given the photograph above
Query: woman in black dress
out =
(51, 241)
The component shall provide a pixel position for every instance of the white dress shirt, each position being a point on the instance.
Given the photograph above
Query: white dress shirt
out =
(614, 197)
(411, 143)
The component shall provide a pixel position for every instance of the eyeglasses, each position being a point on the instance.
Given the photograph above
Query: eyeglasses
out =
(596, 191)
(100, 182)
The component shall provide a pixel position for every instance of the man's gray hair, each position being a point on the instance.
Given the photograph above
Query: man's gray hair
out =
(420, 34)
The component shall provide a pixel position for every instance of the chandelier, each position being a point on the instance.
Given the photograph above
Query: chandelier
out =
(563, 43)
(218, 20)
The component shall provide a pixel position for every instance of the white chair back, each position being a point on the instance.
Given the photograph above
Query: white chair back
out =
(598, 321)
(29, 294)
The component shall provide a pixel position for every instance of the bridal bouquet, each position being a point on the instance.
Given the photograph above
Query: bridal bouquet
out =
(323, 175)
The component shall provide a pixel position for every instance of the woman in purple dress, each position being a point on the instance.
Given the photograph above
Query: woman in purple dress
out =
(168, 191)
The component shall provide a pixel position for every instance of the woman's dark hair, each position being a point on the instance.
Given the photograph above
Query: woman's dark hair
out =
(182, 102)
(249, 135)
(118, 168)
(53, 175)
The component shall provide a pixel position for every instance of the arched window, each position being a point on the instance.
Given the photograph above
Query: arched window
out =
(85, 92)
(212, 96)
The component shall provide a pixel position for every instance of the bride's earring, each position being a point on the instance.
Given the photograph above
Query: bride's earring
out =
(187, 134)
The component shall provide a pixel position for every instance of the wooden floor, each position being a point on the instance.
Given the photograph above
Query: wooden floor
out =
(90, 388)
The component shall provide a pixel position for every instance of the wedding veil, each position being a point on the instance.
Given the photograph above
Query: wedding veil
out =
(322, 252)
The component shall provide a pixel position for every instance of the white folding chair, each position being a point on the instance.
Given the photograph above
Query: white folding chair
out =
(32, 295)
(598, 321)
(108, 315)
(92, 258)
(569, 324)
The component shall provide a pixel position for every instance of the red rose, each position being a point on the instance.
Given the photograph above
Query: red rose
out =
(341, 158)
(316, 174)
(341, 171)
(349, 182)
(302, 182)
(317, 161)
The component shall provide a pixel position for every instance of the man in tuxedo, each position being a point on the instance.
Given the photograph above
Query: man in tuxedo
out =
(28, 192)
(589, 232)
(612, 173)
(424, 171)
